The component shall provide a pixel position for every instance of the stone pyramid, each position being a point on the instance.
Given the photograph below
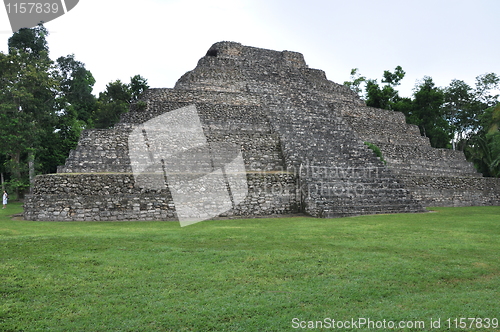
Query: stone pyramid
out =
(301, 141)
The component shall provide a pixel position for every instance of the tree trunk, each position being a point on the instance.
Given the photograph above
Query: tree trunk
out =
(16, 169)
(31, 167)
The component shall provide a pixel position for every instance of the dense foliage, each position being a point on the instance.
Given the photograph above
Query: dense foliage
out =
(45, 104)
(456, 117)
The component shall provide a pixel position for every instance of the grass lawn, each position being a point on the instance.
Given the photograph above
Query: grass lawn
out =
(252, 275)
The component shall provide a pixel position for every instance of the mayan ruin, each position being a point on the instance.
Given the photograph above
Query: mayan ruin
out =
(301, 139)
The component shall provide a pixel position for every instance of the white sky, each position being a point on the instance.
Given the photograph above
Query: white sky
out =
(162, 39)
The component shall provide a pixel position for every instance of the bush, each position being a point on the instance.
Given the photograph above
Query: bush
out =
(376, 150)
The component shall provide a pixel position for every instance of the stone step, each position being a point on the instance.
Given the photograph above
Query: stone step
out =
(405, 152)
(335, 210)
(358, 193)
(196, 96)
(425, 160)
(425, 170)
(371, 209)
(362, 205)
(433, 169)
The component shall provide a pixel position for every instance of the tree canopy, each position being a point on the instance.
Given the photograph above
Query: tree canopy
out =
(45, 105)
(30, 41)
(116, 100)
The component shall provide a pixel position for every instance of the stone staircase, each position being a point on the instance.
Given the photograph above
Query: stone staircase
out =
(100, 151)
(354, 181)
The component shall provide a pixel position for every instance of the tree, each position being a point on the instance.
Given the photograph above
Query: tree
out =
(28, 100)
(74, 111)
(44, 106)
(356, 81)
(76, 85)
(30, 41)
(485, 85)
(461, 110)
(394, 78)
(138, 85)
(491, 122)
(116, 100)
(429, 113)
(111, 104)
(483, 147)
(387, 96)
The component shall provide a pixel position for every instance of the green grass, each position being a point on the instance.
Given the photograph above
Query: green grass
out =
(249, 275)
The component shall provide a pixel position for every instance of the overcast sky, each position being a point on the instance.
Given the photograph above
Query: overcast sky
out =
(162, 39)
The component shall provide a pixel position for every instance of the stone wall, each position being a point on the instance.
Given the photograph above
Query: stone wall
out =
(112, 197)
(454, 191)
